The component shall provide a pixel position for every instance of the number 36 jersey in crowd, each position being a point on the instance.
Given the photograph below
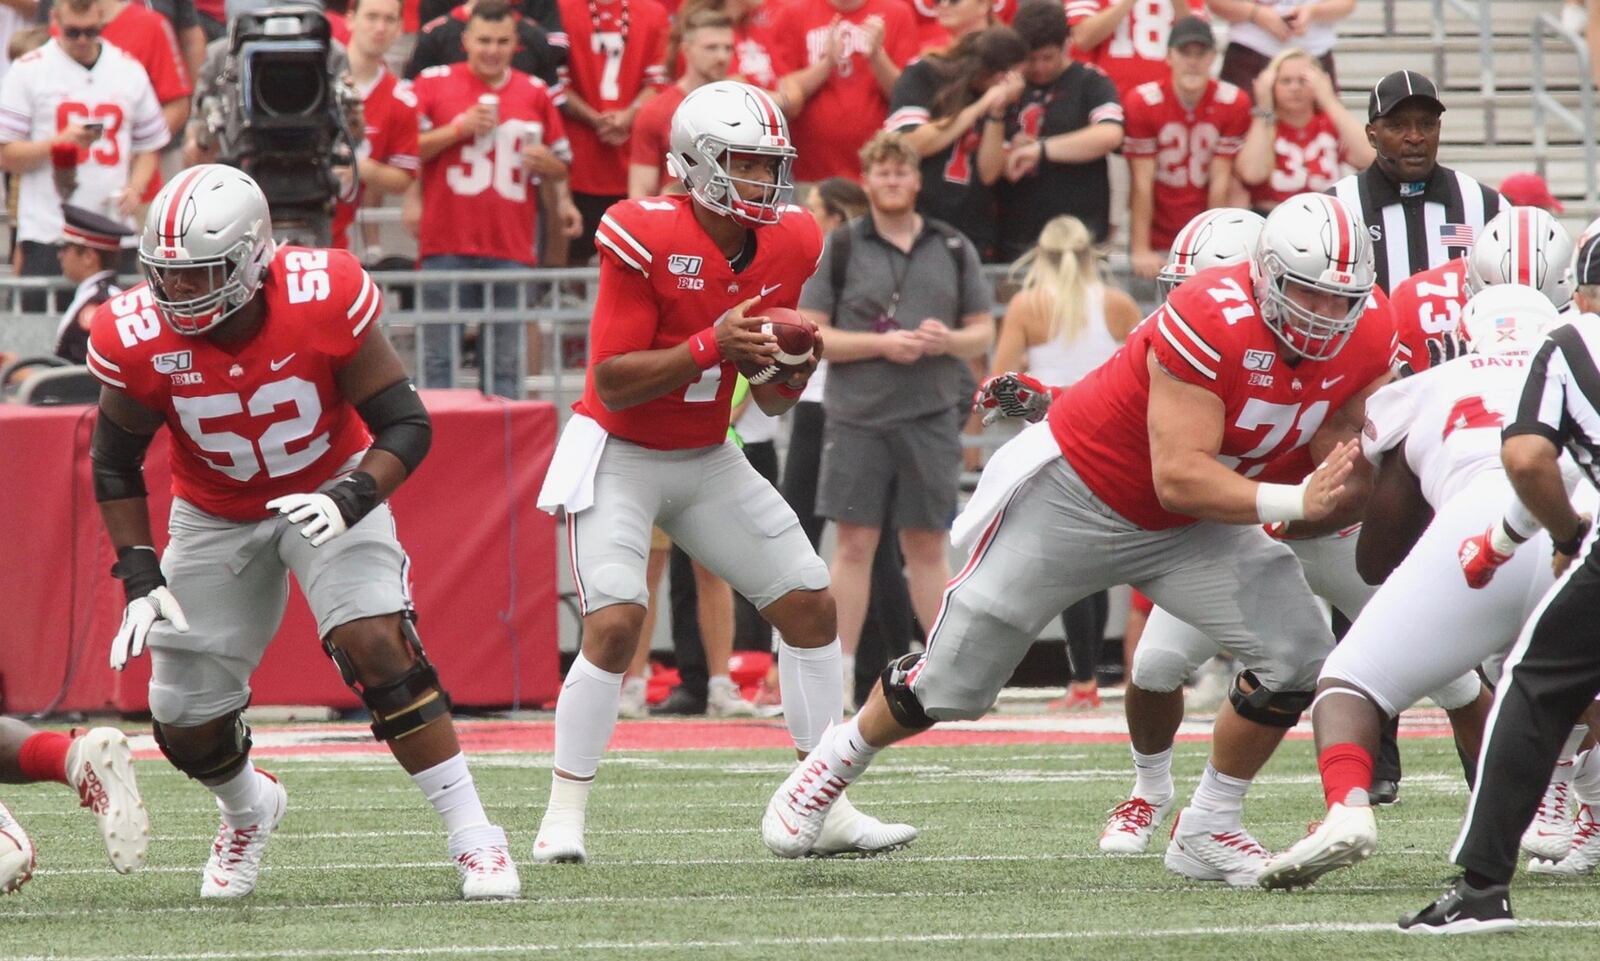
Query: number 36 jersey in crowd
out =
(262, 421)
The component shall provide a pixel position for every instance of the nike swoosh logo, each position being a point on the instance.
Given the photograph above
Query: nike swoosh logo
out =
(793, 831)
(1451, 916)
(1326, 381)
(278, 364)
(767, 290)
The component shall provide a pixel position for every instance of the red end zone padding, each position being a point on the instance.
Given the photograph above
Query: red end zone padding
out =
(483, 565)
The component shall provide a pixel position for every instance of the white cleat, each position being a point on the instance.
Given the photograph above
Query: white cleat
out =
(16, 853)
(1346, 837)
(1549, 837)
(100, 767)
(1131, 824)
(1231, 856)
(235, 860)
(797, 811)
(724, 700)
(483, 859)
(1584, 854)
(634, 702)
(560, 839)
(848, 831)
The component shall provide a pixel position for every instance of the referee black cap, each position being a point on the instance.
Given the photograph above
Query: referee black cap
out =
(1586, 266)
(1397, 88)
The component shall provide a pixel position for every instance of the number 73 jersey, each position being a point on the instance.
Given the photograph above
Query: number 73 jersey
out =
(267, 418)
(1210, 334)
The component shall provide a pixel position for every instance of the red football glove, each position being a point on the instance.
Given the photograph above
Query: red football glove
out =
(1479, 559)
(1013, 395)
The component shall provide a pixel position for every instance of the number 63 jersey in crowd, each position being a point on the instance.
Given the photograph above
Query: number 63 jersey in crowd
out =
(268, 418)
(1210, 334)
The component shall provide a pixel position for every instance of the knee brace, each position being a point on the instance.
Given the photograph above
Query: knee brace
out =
(903, 704)
(1264, 706)
(402, 705)
(220, 762)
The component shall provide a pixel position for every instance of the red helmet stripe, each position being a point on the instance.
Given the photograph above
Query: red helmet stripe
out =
(1522, 246)
(1343, 255)
(180, 192)
(774, 123)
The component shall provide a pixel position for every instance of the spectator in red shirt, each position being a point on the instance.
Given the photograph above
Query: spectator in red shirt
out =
(386, 161)
(752, 39)
(707, 51)
(440, 42)
(1299, 133)
(147, 37)
(1127, 39)
(839, 61)
(952, 20)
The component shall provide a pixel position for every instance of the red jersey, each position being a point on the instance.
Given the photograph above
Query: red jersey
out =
(1183, 143)
(618, 49)
(753, 41)
(1307, 161)
(849, 108)
(652, 130)
(147, 37)
(477, 198)
(1209, 333)
(931, 35)
(267, 419)
(662, 281)
(1137, 52)
(389, 118)
(1427, 307)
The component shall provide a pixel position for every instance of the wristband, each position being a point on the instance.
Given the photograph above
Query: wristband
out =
(1264, 114)
(1500, 539)
(705, 350)
(1575, 544)
(1280, 502)
(355, 497)
(793, 393)
(139, 570)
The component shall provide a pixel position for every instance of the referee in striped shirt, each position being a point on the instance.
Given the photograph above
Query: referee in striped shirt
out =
(1553, 673)
(1419, 214)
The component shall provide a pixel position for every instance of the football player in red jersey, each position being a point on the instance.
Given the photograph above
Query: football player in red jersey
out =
(683, 281)
(290, 415)
(1142, 474)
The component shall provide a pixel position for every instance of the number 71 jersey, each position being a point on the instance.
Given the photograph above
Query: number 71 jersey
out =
(267, 418)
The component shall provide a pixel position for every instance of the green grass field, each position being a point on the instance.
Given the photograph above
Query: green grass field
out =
(1007, 867)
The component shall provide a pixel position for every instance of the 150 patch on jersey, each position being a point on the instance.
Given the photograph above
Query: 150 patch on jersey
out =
(684, 264)
(173, 361)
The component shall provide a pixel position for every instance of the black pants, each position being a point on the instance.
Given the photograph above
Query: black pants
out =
(1085, 627)
(1542, 694)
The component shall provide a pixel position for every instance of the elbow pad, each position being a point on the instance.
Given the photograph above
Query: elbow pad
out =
(117, 456)
(399, 423)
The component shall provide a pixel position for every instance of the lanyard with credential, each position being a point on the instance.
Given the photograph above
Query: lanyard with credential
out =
(886, 321)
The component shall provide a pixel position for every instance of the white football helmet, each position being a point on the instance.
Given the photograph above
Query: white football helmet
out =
(1214, 238)
(211, 218)
(1527, 246)
(1505, 318)
(1313, 273)
(731, 117)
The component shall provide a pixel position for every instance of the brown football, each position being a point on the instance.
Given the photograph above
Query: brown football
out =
(796, 335)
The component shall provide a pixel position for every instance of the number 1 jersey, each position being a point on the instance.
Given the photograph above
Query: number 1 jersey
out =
(267, 418)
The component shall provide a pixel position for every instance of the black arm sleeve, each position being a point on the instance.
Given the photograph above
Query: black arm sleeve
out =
(399, 423)
(117, 456)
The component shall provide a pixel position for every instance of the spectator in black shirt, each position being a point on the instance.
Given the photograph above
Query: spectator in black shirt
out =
(1058, 134)
(538, 54)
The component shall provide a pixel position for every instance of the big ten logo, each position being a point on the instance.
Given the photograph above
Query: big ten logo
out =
(691, 283)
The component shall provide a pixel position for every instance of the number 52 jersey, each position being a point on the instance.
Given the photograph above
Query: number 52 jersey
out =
(265, 418)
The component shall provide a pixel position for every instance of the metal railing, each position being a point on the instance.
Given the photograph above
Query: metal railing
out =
(1547, 27)
(1476, 10)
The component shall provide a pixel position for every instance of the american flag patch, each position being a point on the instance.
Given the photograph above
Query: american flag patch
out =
(1457, 235)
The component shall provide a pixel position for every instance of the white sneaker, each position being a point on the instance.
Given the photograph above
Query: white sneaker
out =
(798, 809)
(235, 860)
(724, 700)
(100, 766)
(483, 859)
(1585, 852)
(16, 853)
(560, 839)
(1346, 837)
(848, 831)
(1550, 835)
(1131, 823)
(633, 703)
(1231, 856)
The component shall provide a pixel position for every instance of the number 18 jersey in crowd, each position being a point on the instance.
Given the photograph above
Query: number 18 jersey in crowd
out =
(266, 418)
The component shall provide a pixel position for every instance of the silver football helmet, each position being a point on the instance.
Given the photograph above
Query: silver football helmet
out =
(728, 117)
(1527, 246)
(206, 245)
(1214, 238)
(1313, 273)
(1508, 317)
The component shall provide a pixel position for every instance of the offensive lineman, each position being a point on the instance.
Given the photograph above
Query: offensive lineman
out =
(679, 279)
(269, 371)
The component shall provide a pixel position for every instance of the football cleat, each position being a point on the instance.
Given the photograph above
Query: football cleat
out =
(633, 702)
(795, 815)
(1346, 837)
(1549, 837)
(1131, 824)
(100, 767)
(16, 853)
(848, 831)
(724, 700)
(1231, 856)
(1584, 854)
(560, 838)
(235, 860)
(483, 859)
(1075, 700)
(1464, 909)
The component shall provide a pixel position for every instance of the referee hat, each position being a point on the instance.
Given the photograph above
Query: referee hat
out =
(1586, 266)
(1397, 88)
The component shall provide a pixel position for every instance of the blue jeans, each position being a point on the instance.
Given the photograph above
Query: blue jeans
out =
(501, 362)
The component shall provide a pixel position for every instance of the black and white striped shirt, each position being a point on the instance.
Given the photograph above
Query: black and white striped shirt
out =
(1561, 397)
(1421, 230)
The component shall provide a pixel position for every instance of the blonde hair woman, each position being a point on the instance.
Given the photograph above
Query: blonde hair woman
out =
(1299, 134)
(1063, 323)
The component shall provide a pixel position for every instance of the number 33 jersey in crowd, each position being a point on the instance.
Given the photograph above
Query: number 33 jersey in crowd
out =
(268, 418)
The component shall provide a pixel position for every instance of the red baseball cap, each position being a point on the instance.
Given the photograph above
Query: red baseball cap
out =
(1530, 190)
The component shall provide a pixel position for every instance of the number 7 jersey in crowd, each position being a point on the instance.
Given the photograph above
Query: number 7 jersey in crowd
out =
(267, 418)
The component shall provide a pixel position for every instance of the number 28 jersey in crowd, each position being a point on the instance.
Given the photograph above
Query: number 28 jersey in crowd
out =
(268, 418)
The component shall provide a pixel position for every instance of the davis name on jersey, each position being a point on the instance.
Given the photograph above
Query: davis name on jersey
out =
(268, 419)
(1210, 334)
(663, 280)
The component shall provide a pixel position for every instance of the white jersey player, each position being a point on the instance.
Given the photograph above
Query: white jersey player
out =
(1435, 441)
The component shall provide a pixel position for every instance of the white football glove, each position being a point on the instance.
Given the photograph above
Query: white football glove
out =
(138, 617)
(318, 514)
